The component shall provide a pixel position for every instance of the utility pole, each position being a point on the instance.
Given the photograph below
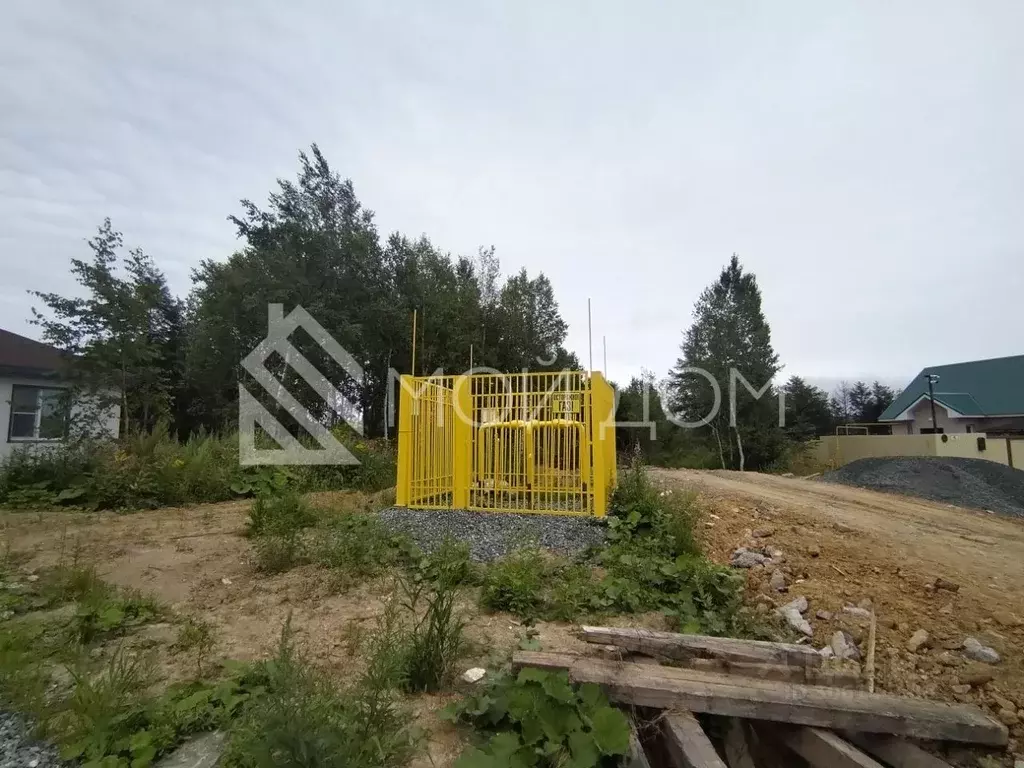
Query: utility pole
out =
(932, 378)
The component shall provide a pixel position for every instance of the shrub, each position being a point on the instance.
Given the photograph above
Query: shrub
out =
(103, 613)
(195, 636)
(278, 551)
(516, 583)
(539, 719)
(284, 512)
(435, 641)
(359, 545)
(305, 721)
(153, 469)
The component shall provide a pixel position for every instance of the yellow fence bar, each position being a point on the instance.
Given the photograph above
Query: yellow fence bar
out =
(525, 442)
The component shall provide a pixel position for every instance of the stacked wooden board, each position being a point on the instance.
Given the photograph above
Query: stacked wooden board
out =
(771, 702)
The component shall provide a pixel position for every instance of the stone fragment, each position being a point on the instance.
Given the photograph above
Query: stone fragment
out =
(917, 641)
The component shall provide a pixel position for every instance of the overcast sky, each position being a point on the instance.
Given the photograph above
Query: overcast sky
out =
(865, 159)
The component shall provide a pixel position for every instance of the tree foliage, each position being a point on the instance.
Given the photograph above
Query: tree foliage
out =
(123, 339)
(313, 245)
(730, 333)
(807, 410)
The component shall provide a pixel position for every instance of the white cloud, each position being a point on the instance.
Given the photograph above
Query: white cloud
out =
(864, 159)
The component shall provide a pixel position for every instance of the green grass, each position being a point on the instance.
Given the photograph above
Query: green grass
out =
(304, 721)
(143, 471)
(651, 563)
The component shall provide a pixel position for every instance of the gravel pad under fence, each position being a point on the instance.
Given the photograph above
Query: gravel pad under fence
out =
(493, 534)
(19, 750)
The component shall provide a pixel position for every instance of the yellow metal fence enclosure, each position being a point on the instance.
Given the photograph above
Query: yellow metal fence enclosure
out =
(525, 442)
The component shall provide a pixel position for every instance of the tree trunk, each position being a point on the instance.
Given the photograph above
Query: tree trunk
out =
(739, 446)
(721, 451)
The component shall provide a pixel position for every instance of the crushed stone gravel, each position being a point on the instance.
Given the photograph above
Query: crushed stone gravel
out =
(19, 750)
(975, 483)
(491, 535)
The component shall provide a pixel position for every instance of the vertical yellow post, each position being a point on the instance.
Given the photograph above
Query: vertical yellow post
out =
(405, 406)
(608, 434)
(462, 434)
(598, 474)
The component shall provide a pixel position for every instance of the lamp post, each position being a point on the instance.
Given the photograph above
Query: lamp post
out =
(932, 378)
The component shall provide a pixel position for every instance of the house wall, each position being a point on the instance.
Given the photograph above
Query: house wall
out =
(110, 422)
(835, 451)
(922, 415)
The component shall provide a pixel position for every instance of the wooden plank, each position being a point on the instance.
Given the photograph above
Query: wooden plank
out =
(896, 752)
(648, 685)
(637, 758)
(677, 646)
(837, 678)
(688, 745)
(823, 749)
(869, 664)
(737, 751)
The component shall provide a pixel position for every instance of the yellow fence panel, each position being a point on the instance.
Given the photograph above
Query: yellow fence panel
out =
(529, 442)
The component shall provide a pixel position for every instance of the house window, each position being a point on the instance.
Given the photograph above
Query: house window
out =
(970, 428)
(37, 413)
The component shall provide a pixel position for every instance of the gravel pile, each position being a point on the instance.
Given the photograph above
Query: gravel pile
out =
(19, 750)
(973, 483)
(493, 534)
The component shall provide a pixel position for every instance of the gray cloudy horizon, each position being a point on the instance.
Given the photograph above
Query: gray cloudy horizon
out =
(863, 159)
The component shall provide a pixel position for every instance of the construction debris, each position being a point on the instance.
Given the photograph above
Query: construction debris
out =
(792, 611)
(746, 685)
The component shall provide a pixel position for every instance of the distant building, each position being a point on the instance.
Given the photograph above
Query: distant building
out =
(33, 403)
(979, 396)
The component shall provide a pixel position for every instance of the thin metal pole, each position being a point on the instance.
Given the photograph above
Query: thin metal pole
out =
(413, 342)
(604, 345)
(471, 358)
(931, 399)
(590, 338)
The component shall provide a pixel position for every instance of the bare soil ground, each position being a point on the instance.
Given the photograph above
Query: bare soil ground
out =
(890, 549)
(871, 545)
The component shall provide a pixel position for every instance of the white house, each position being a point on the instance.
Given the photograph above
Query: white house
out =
(976, 396)
(33, 410)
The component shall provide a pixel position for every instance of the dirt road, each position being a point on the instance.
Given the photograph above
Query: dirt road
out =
(847, 545)
(984, 550)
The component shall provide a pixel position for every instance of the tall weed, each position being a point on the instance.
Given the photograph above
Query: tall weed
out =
(304, 721)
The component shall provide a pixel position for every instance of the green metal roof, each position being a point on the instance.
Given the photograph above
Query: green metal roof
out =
(979, 388)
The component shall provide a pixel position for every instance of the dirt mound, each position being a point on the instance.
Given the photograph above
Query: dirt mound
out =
(964, 482)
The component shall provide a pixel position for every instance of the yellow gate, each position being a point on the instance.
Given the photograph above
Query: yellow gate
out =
(525, 442)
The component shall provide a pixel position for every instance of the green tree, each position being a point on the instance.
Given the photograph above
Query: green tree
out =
(807, 410)
(881, 398)
(730, 332)
(861, 402)
(123, 337)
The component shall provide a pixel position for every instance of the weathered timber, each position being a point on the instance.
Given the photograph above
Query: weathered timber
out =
(823, 749)
(837, 678)
(688, 745)
(737, 750)
(677, 646)
(896, 752)
(637, 758)
(649, 685)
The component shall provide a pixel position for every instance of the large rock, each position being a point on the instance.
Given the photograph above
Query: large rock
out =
(745, 558)
(791, 613)
(201, 752)
(843, 647)
(917, 641)
(973, 649)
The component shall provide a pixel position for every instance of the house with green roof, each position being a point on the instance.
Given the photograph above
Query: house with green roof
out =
(979, 396)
